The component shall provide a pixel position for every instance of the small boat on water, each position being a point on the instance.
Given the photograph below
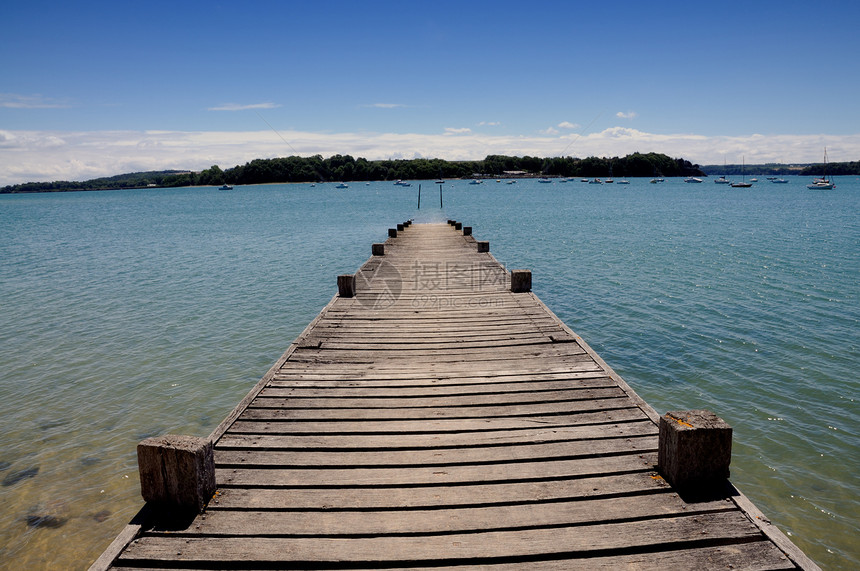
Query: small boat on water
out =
(722, 180)
(822, 183)
(225, 187)
(743, 183)
(341, 185)
(692, 179)
(595, 181)
(778, 181)
(545, 180)
(440, 181)
(511, 182)
(623, 181)
(476, 181)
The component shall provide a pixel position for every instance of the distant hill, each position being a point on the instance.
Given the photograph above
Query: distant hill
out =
(121, 181)
(345, 167)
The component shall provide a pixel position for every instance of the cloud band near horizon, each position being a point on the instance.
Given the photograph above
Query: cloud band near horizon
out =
(41, 156)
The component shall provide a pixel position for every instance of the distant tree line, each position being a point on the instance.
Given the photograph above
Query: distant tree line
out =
(347, 168)
(121, 181)
(817, 169)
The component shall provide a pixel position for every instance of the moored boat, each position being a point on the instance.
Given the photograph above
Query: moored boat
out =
(743, 183)
(822, 183)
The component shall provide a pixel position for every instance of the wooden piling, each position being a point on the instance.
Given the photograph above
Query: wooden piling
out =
(521, 281)
(392, 232)
(346, 285)
(694, 450)
(377, 249)
(483, 246)
(177, 473)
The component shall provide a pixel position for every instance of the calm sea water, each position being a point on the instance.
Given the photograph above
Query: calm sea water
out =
(134, 313)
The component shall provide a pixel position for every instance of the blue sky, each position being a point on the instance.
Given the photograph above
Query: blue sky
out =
(107, 87)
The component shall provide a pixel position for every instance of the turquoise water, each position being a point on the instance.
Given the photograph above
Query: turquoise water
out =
(133, 313)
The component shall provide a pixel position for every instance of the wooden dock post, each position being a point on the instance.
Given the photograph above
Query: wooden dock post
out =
(521, 281)
(392, 232)
(458, 226)
(377, 249)
(400, 227)
(177, 472)
(346, 285)
(467, 230)
(694, 450)
(483, 246)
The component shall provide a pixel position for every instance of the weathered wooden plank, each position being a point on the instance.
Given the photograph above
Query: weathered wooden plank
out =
(558, 352)
(422, 475)
(477, 411)
(406, 441)
(450, 370)
(332, 522)
(437, 456)
(424, 426)
(268, 400)
(503, 493)
(750, 556)
(310, 389)
(494, 545)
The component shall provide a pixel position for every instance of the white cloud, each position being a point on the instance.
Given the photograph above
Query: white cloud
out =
(457, 131)
(549, 131)
(238, 107)
(489, 123)
(568, 125)
(54, 155)
(16, 101)
(628, 115)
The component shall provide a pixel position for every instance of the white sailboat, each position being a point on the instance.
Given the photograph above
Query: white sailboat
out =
(822, 183)
(743, 183)
(723, 179)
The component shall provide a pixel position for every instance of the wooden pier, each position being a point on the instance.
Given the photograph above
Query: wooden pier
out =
(431, 417)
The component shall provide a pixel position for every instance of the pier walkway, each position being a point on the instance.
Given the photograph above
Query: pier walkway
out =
(438, 420)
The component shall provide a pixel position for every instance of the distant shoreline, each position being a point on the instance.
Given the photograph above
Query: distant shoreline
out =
(315, 169)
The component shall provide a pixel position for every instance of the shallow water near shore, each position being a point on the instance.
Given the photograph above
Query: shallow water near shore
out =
(127, 314)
